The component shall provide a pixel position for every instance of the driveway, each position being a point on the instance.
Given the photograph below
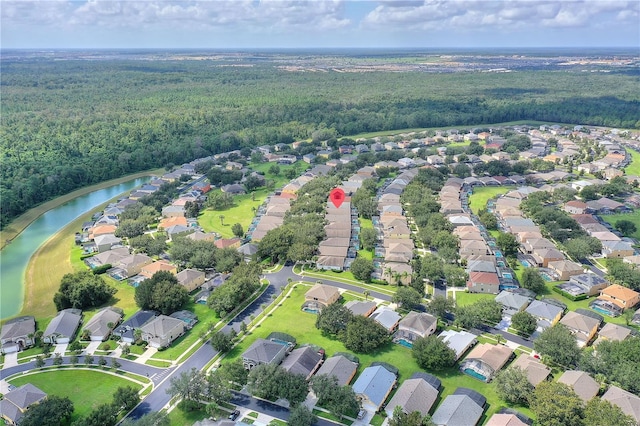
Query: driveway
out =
(10, 360)
(93, 346)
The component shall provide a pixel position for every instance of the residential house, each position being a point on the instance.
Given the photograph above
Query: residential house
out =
(14, 404)
(459, 341)
(622, 297)
(201, 236)
(418, 393)
(173, 211)
(373, 387)
(483, 282)
(17, 334)
(106, 242)
(506, 419)
(304, 361)
(581, 383)
(590, 283)
(386, 317)
(358, 307)
(416, 325)
(485, 360)
(617, 249)
(320, 296)
(234, 189)
(127, 330)
(575, 207)
(161, 331)
(340, 367)
(223, 243)
(462, 408)
(546, 314)
(397, 272)
(190, 279)
(543, 256)
(474, 248)
(248, 250)
(614, 333)
(161, 265)
(109, 257)
(532, 244)
(628, 402)
(583, 327)
(536, 371)
(512, 303)
(263, 352)
(99, 327)
(187, 317)
(565, 269)
(62, 327)
(132, 264)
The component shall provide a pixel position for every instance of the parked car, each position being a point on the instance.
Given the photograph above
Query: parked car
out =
(234, 415)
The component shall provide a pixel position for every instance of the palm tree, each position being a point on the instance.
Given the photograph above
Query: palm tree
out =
(388, 271)
(366, 294)
(221, 219)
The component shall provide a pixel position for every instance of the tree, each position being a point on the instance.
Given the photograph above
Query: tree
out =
(301, 416)
(362, 269)
(363, 335)
(39, 361)
(190, 386)
(161, 293)
(271, 382)
(513, 385)
(626, 227)
(556, 404)
(274, 169)
(617, 361)
(582, 247)
(222, 342)
(368, 238)
(52, 411)
(431, 353)
(158, 418)
(125, 398)
(407, 298)
(440, 305)
(218, 388)
(115, 364)
(482, 312)
(233, 372)
(237, 230)
(559, 345)
(524, 322)
(455, 275)
(508, 244)
(532, 280)
(599, 412)
(333, 319)
(88, 359)
(82, 290)
(57, 360)
(340, 400)
(415, 418)
(73, 360)
(103, 415)
(221, 217)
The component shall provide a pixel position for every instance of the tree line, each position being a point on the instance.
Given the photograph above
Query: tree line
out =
(68, 124)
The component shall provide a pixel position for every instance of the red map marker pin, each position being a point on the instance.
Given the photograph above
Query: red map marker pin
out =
(337, 197)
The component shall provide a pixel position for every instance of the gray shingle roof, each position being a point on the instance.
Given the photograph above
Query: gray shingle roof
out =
(340, 367)
(301, 361)
(458, 410)
(25, 395)
(263, 351)
(64, 324)
(375, 382)
(18, 327)
(413, 395)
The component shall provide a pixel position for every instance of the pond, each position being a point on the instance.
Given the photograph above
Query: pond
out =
(14, 257)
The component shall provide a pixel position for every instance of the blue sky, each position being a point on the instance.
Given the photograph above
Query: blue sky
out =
(318, 23)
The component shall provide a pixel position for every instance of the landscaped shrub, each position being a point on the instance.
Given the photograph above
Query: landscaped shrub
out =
(570, 296)
(101, 269)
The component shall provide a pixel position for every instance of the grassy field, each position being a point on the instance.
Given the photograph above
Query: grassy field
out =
(85, 388)
(463, 298)
(482, 194)
(241, 213)
(289, 319)
(21, 222)
(280, 180)
(633, 168)
(633, 217)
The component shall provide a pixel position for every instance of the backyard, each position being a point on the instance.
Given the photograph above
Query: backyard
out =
(242, 212)
(633, 168)
(482, 194)
(87, 389)
(632, 217)
(289, 319)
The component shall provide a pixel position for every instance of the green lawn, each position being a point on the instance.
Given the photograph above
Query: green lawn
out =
(464, 298)
(366, 223)
(289, 319)
(85, 388)
(634, 167)
(179, 417)
(482, 194)
(241, 213)
(633, 217)
(279, 180)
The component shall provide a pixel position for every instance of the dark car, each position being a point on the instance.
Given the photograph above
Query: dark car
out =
(234, 415)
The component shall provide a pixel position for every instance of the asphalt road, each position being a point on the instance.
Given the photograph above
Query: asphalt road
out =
(268, 408)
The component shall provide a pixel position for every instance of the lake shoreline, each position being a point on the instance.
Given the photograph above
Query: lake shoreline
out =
(20, 223)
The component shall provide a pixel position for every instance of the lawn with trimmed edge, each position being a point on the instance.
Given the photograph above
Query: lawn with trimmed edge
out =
(633, 168)
(288, 318)
(242, 212)
(631, 217)
(463, 298)
(482, 194)
(85, 388)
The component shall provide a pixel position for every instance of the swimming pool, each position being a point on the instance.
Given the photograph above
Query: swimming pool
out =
(525, 263)
(546, 276)
(405, 343)
(501, 263)
(498, 254)
(474, 374)
(491, 243)
(310, 310)
(507, 275)
(602, 311)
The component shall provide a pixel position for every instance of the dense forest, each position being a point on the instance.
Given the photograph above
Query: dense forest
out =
(70, 123)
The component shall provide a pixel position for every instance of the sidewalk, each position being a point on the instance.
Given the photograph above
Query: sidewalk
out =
(150, 352)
